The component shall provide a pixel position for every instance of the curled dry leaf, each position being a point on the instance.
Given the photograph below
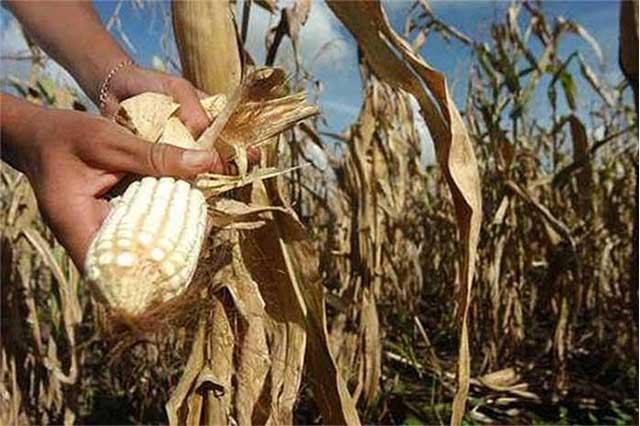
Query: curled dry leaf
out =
(258, 110)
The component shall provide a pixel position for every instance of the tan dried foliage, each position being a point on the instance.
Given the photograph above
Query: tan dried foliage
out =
(393, 61)
(263, 290)
(376, 258)
(554, 288)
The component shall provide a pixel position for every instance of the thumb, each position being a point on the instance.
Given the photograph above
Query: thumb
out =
(153, 159)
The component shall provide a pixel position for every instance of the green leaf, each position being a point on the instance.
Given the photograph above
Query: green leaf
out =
(47, 88)
(412, 420)
(569, 88)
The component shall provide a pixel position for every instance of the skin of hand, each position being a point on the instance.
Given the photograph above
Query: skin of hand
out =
(134, 80)
(72, 159)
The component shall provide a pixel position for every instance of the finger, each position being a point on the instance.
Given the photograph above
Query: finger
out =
(191, 112)
(133, 155)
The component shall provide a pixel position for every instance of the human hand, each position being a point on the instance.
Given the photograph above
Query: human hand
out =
(73, 159)
(133, 80)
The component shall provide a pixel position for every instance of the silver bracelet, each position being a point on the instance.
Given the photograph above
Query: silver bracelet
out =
(104, 87)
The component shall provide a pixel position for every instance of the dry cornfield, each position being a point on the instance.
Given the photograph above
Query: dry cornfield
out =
(499, 287)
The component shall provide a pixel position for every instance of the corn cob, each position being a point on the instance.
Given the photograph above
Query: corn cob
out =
(147, 250)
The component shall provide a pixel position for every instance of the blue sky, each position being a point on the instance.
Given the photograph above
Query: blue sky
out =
(336, 67)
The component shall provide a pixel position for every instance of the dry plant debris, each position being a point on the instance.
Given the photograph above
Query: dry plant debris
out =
(553, 301)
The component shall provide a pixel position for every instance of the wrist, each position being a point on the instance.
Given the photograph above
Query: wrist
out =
(105, 72)
(121, 83)
(112, 90)
(97, 57)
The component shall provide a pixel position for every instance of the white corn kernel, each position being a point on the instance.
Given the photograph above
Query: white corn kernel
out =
(125, 259)
(168, 268)
(124, 243)
(145, 238)
(105, 259)
(157, 254)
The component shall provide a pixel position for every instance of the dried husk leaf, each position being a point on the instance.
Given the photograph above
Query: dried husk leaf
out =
(152, 116)
(148, 113)
(213, 184)
(176, 133)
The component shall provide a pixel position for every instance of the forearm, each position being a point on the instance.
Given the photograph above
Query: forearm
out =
(17, 122)
(72, 34)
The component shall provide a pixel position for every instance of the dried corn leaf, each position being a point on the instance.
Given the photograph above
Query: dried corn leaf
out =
(291, 20)
(580, 155)
(213, 184)
(254, 114)
(500, 380)
(177, 406)
(253, 354)
(301, 285)
(375, 162)
(215, 379)
(261, 254)
(176, 133)
(269, 5)
(204, 393)
(225, 212)
(393, 61)
(371, 365)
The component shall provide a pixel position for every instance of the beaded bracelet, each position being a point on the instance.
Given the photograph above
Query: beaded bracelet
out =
(104, 87)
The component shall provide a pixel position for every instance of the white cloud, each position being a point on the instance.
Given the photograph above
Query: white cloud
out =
(320, 43)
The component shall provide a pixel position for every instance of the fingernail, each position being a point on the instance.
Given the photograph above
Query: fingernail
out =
(196, 159)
